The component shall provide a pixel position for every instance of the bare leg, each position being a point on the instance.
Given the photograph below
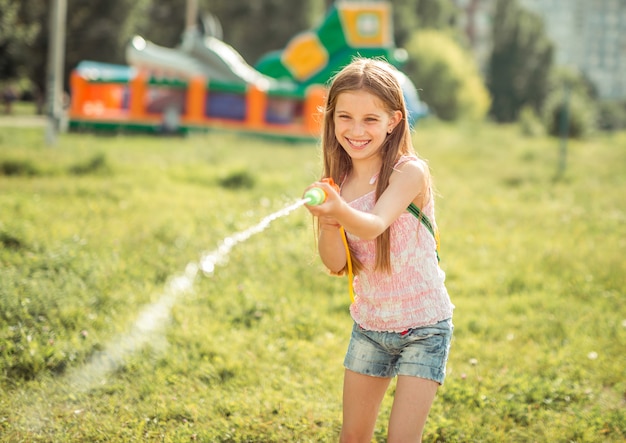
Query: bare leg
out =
(412, 402)
(362, 395)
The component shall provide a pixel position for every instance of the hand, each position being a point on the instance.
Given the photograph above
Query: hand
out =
(328, 223)
(331, 203)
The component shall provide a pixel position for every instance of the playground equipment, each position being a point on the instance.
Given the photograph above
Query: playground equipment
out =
(206, 84)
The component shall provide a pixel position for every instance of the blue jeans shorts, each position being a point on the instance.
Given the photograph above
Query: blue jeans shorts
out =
(420, 352)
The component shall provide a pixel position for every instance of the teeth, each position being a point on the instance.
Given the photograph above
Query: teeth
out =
(358, 143)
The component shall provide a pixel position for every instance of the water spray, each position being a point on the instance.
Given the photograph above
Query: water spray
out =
(152, 318)
(150, 322)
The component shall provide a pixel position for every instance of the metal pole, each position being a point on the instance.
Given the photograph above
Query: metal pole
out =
(564, 130)
(56, 60)
(192, 14)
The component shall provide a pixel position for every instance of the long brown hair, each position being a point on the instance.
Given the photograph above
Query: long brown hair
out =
(378, 78)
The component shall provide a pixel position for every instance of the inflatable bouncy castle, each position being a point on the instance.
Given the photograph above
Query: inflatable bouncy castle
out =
(206, 84)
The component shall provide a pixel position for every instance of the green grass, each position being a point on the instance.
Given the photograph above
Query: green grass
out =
(93, 231)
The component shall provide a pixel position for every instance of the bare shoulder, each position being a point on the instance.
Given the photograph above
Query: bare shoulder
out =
(413, 175)
(413, 172)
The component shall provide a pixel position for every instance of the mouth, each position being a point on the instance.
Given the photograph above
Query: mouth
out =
(358, 144)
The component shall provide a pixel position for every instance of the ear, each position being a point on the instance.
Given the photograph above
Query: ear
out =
(396, 117)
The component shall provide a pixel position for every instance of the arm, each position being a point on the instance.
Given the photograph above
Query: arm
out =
(330, 245)
(406, 184)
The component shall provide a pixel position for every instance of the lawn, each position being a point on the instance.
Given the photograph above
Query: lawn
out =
(110, 333)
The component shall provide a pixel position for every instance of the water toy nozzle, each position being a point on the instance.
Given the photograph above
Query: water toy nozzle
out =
(315, 196)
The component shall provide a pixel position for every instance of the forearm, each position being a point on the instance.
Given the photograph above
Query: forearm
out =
(364, 225)
(332, 249)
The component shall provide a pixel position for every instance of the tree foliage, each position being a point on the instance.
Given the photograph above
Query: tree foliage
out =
(99, 30)
(257, 27)
(447, 76)
(569, 104)
(520, 62)
(162, 22)
(17, 32)
(410, 15)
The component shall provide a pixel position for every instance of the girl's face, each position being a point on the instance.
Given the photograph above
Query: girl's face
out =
(362, 123)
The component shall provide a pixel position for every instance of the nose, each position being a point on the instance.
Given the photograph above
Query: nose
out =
(358, 128)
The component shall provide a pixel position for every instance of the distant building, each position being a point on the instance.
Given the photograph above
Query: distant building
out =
(588, 35)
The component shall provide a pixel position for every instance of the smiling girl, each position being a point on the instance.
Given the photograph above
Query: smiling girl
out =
(401, 310)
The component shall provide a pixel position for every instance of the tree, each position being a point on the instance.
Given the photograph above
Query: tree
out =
(410, 15)
(16, 35)
(100, 29)
(436, 15)
(570, 96)
(405, 20)
(254, 28)
(162, 22)
(96, 30)
(520, 62)
(446, 75)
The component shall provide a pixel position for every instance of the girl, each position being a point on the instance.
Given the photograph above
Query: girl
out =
(402, 312)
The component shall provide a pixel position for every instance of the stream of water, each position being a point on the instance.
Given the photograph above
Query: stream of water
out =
(151, 321)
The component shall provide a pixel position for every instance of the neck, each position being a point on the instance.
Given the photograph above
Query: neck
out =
(365, 170)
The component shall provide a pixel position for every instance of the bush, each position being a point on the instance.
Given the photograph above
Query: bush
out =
(98, 164)
(575, 80)
(18, 168)
(447, 76)
(580, 113)
(566, 84)
(237, 179)
(611, 115)
(530, 123)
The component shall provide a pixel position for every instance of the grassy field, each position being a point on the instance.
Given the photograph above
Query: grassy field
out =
(101, 342)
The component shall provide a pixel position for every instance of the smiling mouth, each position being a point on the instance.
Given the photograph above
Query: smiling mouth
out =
(358, 143)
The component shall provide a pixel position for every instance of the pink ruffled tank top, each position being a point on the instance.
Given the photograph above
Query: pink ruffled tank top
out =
(414, 293)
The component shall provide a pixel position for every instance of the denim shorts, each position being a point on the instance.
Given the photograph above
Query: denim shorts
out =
(420, 352)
